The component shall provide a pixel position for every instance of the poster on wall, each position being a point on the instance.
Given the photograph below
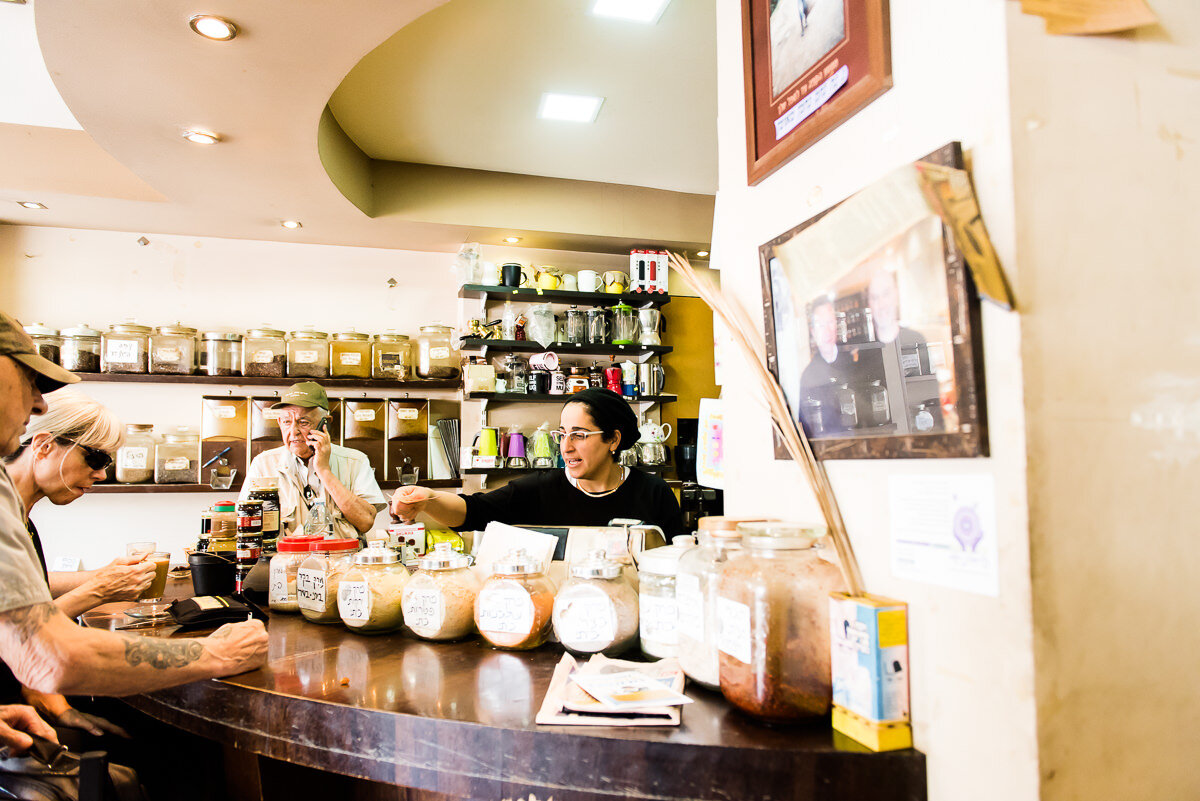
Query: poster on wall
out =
(710, 456)
(810, 65)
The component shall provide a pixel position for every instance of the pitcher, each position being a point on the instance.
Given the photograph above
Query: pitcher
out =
(625, 325)
(648, 320)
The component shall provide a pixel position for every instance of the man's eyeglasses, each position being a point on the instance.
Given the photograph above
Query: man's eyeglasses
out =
(95, 458)
(574, 437)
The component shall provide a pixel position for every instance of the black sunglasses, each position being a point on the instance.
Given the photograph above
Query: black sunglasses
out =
(94, 457)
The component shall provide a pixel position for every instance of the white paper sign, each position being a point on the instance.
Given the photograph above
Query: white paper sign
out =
(943, 531)
(505, 609)
(310, 589)
(354, 600)
(689, 600)
(424, 610)
(710, 458)
(733, 629)
(658, 619)
(364, 415)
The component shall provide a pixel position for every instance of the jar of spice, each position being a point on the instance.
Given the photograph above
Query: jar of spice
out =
(391, 356)
(173, 350)
(658, 613)
(177, 461)
(264, 353)
(877, 401)
(135, 458)
(81, 349)
(221, 353)
(439, 601)
(46, 340)
(308, 354)
(350, 355)
(773, 613)
(370, 594)
(290, 553)
(318, 577)
(516, 603)
(436, 355)
(596, 609)
(124, 348)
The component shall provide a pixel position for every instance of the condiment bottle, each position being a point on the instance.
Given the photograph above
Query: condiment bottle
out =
(596, 610)
(292, 551)
(224, 525)
(318, 577)
(370, 593)
(773, 610)
(439, 601)
(516, 603)
(658, 614)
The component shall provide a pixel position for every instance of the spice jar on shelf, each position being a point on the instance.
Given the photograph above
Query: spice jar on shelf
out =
(264, 353)
(658, 613)
(318, 577)
(290, 553)
(46, 340)
(877, 403)
(124, 348)
(516, 603)
(177, 461)
(350, 355)
(437, 358)
(221, 353)
(773, 612)
(308, 354)
(596, 609)
(81, 349)
(173, 350)
(391, 356)
(369, 596)
(135, 458)
(439, 601)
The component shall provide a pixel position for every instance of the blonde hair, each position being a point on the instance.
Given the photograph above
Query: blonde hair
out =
(74, 416)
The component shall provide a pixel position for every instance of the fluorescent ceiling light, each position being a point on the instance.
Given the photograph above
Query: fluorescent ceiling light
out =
(199, 137)
(647, 11)
(30, 204)
(573, 108)
(216, 28)
(291, 224)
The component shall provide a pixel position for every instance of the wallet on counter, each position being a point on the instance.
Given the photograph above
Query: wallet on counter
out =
(214, 610)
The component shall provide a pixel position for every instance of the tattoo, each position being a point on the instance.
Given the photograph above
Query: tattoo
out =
(28, 620)
(160, 654)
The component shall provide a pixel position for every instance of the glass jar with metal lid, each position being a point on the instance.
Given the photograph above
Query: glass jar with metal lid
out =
(658, 613)
(135, 457)
(46, 340)
(177, 461)
(515, 605)
(439, 601)
(221, 353)
(773, 608)
(318, 577)
(290, 553)
(173, 350)
(308, 353)
(264, 353)
(124, 348)
(370, 594)
(391, 356)
(350, 355)
(81, 349)
(596, 610)
(436, 355)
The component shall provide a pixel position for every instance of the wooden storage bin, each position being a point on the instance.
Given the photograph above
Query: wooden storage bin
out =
(224, 423)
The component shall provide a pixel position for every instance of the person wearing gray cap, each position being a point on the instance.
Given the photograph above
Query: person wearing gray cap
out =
(43, 647)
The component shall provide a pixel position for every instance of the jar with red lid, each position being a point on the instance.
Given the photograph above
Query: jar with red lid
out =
(318, 577)
(290, 552)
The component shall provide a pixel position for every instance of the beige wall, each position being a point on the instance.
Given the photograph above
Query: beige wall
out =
(1106, 143)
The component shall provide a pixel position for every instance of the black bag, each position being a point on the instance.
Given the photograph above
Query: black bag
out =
(213, 610)
(49, 772)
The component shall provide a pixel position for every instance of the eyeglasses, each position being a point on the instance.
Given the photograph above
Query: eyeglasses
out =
(574, 437)
(94, 457)
(302, 423)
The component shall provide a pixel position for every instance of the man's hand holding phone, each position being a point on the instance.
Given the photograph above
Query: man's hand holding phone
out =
(318, 440)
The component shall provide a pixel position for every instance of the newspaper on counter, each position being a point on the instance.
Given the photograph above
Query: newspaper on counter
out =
(567, 704)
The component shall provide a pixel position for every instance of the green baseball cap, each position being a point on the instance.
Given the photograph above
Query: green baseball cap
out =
(306, 394)
(16, 343)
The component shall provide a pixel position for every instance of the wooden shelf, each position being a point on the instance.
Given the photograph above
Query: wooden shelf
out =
(473, 344)
(529, 397)
(256, 381)
(561, 296)
(107, 489)
(488, 471)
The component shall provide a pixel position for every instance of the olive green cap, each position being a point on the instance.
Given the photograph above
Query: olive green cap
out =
(306, 394)
(16, 343)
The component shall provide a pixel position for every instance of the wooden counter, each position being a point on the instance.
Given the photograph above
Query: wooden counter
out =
(458, 719)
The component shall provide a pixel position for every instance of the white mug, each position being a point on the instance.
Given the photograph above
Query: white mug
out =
(589, 281)
(570, 282)
(490, 274)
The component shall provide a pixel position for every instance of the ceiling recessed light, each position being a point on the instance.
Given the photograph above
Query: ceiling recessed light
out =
(700, 254)
(572, 108)
(211, 27)
(512, 240)
(647, 11)
(31, 204)
(291, 224)
(199, 137)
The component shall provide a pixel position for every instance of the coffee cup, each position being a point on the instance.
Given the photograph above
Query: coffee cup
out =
(513, 274)
(588, 281)
(544, 361)
(489, 274)
(615, 282)
(570, 283)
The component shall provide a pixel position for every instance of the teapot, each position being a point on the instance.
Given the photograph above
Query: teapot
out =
(654, 432)
(548, 277)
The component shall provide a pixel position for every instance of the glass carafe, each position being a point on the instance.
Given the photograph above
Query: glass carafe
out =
(625, 325)
(648, 320)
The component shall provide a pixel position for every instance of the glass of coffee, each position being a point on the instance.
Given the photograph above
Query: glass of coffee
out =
(152, 606)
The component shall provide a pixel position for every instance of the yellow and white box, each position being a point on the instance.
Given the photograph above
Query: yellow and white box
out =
(869, 642)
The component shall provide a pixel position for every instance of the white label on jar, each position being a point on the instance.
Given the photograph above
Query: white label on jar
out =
(505, 610)
(272, 414)
(847, 407)
(263, 356)
(121, 351)
(364, 415)
(587, 620)
(690, 604)
(277, 591)
(733, 629)
(879, 406)
(658, 618)
(166, 354)
(310, 589)
(439, 353)
(225, 412)
(910, 361)
(424, 610)
(307, 356)
(407, 414)
(133, 458)
(354, 600)
(178, 463)
(350, 358)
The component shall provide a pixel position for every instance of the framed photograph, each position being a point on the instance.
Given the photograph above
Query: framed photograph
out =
(810, 65)
(872, 324)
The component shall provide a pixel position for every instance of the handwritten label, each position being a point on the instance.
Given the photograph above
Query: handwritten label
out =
(133, 458)
(813, 101)
(354, 600)
(306, 356)
(658, 619)
(407, 414)
(310, 589)
(689, 602)
(167, 354)
(121, 351)
(349, 359)
(505, 610)
(178, 463)
(587, 620)
(439, 353)
(364, 415)
(277, 589)
(424, 610)
(272, 414)
(224, 412)
(733, 629)
(263, 356)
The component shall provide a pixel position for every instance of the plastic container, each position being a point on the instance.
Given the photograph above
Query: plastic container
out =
(437, 357)
(773, 608)
(318, 577)
(308, 354)
(81, 349)
(221, 354)
(46, 340)
(173, 350)
(515, 606)
(350, 355)
(264, 353)
(177, 461)
(658, 613)
(596, 609)
(371, 592)
(124, 348)
(439, 601)
(135, 458)
(290, 553)
(391, 357)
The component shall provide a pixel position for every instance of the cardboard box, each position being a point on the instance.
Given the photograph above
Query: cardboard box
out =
(869, 642)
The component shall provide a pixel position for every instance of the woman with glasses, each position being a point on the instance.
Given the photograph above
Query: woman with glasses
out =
(594, 488)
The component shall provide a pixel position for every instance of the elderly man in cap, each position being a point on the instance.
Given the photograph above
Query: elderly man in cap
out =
(45, 649)
(313, 472)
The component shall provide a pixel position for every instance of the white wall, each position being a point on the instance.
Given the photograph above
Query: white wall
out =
(971, 655)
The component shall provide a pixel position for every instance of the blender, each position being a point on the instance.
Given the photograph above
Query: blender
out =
(648, 320)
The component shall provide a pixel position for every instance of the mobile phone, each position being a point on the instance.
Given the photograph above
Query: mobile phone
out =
(323, 425)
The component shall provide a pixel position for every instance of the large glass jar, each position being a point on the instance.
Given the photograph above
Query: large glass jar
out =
(177, 461)
(848, 407)
(264, 353)
(391, 357)
(81, 349)
(224, 524)
(516, 603)
(308, 354)
(773, 612)
(439, 601)
(350, 355)
(124, 348)
(596, 609)
(173, 350)
(877, 402)
(658, 612)
(369, 597)
(290, 553)
(135, 458)
(318, 576)
(46, 340)
(436, 355)
(221, 353)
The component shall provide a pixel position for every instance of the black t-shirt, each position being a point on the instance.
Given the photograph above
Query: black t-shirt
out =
(547, 498)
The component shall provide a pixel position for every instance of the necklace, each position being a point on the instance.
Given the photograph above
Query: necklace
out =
(602, 493)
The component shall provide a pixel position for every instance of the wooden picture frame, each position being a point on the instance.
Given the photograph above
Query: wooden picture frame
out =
(909, 323)
(809, 65)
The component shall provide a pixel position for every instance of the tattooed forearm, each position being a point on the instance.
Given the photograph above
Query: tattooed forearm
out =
(162, 654)
(28, 620)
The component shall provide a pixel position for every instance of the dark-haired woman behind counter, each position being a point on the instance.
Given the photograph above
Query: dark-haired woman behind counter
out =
(596, 425)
